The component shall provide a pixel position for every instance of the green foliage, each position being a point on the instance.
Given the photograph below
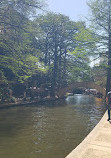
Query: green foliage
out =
(79, 70)
(51, 46)
(85, 46)
(99, 75)
(22, 67)
(19, 57)
(66, 45)
(85, 39)
(101, 25)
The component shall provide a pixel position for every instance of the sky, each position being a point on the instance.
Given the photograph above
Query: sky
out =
(75, 9)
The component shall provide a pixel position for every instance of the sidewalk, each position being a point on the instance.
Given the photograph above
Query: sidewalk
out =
(97, 144)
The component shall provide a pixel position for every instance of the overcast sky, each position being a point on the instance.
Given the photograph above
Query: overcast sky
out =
(75, 9)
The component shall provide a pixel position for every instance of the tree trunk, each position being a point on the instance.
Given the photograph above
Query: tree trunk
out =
(108, 83)
(64, 69)
(46, 52)
(59, 73)
(55, 69)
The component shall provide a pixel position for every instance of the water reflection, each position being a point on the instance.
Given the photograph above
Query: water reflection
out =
(87, 106)
(78, 99)
(48, 131)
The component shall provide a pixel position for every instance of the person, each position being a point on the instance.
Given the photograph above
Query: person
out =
(108, 103)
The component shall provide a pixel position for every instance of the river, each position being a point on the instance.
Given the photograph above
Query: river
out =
(51, 130)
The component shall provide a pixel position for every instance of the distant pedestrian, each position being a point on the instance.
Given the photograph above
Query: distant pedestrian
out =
(108, 103)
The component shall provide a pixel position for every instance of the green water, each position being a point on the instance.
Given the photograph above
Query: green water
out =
(52, 130)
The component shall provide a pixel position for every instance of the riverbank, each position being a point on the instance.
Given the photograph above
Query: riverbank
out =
(21, 102)
(97, 144)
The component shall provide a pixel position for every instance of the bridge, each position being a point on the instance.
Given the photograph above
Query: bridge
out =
(89, 85)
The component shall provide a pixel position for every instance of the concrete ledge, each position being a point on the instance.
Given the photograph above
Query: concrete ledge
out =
(97, 144)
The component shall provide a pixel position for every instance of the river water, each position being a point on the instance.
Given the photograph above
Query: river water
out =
(51, 130)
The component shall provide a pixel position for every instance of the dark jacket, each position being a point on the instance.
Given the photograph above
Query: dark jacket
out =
(109, 100)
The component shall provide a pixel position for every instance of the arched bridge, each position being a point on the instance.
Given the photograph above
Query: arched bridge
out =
(75, 85)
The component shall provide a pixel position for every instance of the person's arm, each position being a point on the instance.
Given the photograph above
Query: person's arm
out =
(106, 100)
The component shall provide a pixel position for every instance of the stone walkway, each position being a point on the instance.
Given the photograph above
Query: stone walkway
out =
(97, 144)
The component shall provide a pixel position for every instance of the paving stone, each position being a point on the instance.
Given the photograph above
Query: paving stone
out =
(95, 153)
